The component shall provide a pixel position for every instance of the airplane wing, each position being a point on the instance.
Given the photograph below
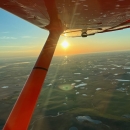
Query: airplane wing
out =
(90, 16)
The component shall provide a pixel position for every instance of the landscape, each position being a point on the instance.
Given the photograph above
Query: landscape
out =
(81, 92)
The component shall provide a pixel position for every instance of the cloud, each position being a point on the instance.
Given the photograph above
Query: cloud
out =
(5, 32)
(26, 36)
(18, 47)
(7, 38)
(13, 46)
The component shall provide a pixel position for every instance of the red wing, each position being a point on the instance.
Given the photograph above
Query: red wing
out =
(92, 16)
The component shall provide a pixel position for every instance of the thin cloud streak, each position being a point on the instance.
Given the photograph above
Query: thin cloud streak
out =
(13, 46)
(7, 38)
(5, 32)
(31, 37)
(26, 37)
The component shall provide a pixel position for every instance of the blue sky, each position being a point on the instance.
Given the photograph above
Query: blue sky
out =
(18, 37)
(21, 38)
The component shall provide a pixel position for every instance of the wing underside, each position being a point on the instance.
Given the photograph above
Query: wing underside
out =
(95, 16)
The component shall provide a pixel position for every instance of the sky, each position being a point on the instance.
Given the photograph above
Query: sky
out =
(20, 38)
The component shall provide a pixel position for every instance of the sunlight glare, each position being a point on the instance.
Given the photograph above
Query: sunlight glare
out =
(65, 44)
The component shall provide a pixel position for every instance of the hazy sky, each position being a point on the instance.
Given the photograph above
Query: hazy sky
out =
(20, 38)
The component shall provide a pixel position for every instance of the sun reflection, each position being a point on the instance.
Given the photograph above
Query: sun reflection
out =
(66, 87)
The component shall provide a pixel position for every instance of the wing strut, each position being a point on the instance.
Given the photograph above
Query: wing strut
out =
(22, 111)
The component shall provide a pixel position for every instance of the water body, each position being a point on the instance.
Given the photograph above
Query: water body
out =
(80, 85)
(126, 116)
(126, 68)
(77, 73)
(86, 78)
(77, 93)
(87, 118)
(103, 68)
(98, 89)
(5, 87)
(84, 95)
(121, 89)
(77, 80)
(124, 80)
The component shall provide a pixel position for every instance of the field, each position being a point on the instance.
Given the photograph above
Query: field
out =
(81, 92)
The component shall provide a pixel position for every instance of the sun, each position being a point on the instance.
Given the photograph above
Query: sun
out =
(65, 44)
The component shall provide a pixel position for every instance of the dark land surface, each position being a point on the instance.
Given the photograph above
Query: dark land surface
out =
(81, 92)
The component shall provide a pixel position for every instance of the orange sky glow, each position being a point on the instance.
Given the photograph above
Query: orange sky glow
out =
(16, 41)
